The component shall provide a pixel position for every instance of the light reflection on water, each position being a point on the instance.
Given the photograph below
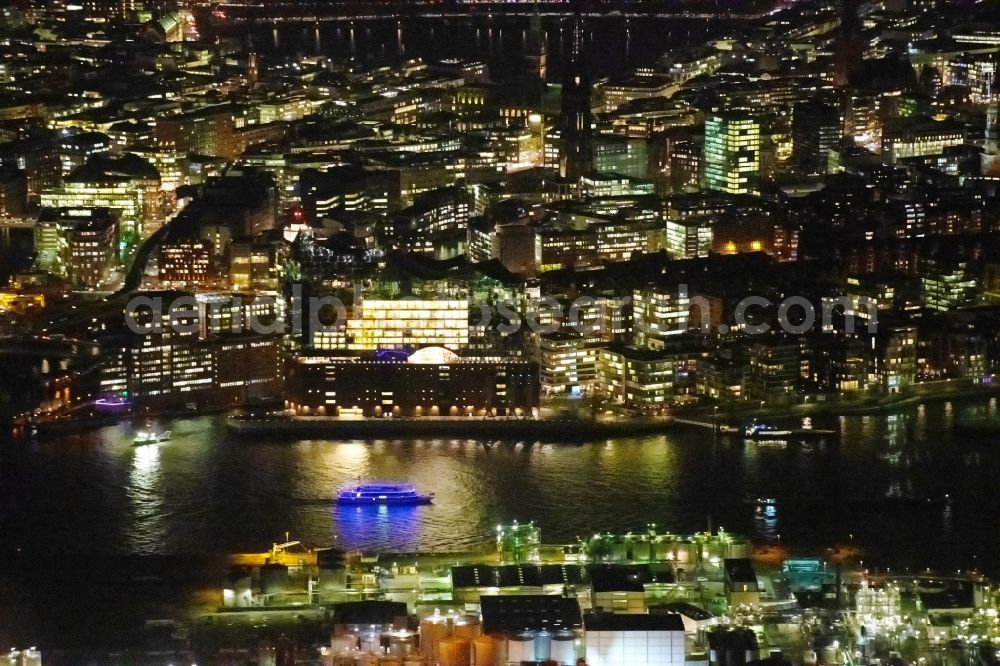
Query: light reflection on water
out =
(884, 481)
(146, 499)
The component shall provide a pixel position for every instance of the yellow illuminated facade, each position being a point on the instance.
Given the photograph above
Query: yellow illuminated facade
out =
(657, 314)
(124, 196)
(392, 324)
(638, 379)
(568, 363)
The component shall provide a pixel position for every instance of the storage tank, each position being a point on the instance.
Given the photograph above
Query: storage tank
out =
(274, 579)
(432, 630)
(641, 551)
(543, 645)
(467, 627)
(402, 643)
(343, 643)
(489, 651)
(521, 647)
(367, 659)
(371, 641)
(563, 650)
(390, 660)
(31, 657)
(454, 651)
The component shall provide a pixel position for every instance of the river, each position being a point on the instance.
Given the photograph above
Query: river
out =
(96, 535)
(903, 485)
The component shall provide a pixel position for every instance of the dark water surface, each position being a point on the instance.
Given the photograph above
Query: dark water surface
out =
(613, 45)
(97, 535)
(902, 485)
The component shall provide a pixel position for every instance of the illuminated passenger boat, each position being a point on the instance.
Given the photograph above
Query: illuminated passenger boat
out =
(150, 437)
(382, 493)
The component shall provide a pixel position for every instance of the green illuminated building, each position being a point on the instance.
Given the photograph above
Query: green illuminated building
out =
(732, 152)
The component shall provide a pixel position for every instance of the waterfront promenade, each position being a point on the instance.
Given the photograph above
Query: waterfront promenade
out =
(277, 425)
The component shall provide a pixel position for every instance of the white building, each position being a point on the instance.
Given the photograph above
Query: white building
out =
(629, 639)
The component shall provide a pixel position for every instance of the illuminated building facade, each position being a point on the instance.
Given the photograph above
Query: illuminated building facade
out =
(863, 119)
(254, 265)
(618, 93)
(639, 378)
(431, 382)
(207, 131)
(119, 193)
(185, 263)
(689, 63)
(658, 314)
(90, 245)
(896, 357)
(436, 211)
(568, 363)
(613, 185)
(688, 238)
(344, 189)
(621, 154)
(185, 362)
(732, 152)
(779, 240)
(376, 324)
(775, 369)
(947, 286)
(628, 235)
(567, 248)
(915, 138)
(76, 148)
(816, 128)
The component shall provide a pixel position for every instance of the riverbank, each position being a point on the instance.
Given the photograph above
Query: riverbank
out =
(579, 430)
(925, 393)
(488, 428)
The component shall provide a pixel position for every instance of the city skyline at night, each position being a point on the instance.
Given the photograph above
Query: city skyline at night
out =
(492, 333)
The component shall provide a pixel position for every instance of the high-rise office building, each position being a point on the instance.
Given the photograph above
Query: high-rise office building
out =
(732, 152)
(816, 128)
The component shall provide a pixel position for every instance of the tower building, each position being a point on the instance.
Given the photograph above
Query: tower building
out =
(850, 47)
(535, 48)
(732, 152)
(991, 145)
(575, 135)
